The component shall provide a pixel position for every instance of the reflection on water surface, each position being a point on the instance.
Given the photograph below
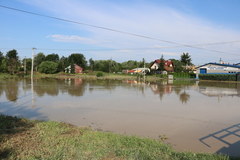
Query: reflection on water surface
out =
(184, 111)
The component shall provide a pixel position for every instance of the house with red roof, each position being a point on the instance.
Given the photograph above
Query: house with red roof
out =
(168, 65)
(76, 69)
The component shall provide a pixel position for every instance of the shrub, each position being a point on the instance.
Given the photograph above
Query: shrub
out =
(184, 75)
(219, 77)
(48, 67)
(99, 74)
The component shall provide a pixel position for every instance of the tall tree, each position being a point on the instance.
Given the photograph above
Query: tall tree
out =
(52, 57)
(91, 64)
(12, 61)
(48, 67)
(79, 59)
(107, 66)
(3, 65)
(141, 64)
(39, 58)
(161, 64)
(177, 65)
(1, 61)
(186, 59)
(63, 63)
(1, 57)
(28, 62)
(130, 64)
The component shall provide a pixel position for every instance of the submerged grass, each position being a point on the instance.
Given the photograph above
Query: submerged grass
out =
(91, 76)
(28, 140)
(7, 76)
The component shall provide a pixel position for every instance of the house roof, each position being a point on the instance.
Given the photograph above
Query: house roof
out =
(158, 61)
(167, 62)
(75, 65)
(219, 64)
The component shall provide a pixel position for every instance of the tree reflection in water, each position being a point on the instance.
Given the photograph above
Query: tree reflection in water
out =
(184, 97)
(47, 86)
(11, 90)
(77, 87)
(53, 87)
(1, 89)
(164, 88)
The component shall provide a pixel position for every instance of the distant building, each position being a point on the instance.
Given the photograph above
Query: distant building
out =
(168, 65)
(77, 69)
(238, 64)
(218, 68)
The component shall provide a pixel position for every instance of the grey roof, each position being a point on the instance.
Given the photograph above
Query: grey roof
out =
(226, 65)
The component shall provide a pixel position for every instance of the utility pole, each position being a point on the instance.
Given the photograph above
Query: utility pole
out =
(25, 67)
(144, 71)
(32, 62)
(32, 76)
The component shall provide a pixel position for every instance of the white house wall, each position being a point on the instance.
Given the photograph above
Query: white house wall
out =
(154, 66)
(211, 68)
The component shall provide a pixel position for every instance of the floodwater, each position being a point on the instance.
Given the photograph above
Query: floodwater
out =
(194, 116)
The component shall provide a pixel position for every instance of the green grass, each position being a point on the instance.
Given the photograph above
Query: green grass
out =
(92, 75)
(31, 140)
(7, 76)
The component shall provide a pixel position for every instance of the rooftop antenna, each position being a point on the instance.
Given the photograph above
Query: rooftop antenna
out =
(220, 61)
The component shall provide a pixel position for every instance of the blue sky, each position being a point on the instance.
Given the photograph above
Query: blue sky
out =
(190, 22)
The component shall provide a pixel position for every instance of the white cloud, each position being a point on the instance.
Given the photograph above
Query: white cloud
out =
(145, 19)
(71, 39)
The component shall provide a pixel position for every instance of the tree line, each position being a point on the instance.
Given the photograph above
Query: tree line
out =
(53, 63)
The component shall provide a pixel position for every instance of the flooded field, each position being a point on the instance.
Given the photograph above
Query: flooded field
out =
(194, 116)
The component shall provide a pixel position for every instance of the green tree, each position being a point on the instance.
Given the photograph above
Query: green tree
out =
(91, 64)
(186, 59)
(12, 61)
(102, 65)
(48, 67)
(141, 64)
(177, 65)
(1, 57)
(3, 66)
(28, 63)
(79, 59)
(1, 61)
(39, 58)
(130, 65)
(161, 64)
(52, 57)
(114, 66)
(63, 63)
(107, 66)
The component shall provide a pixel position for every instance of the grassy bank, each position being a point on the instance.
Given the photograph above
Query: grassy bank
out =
(7, 76)
(24, 139)
(92, 76)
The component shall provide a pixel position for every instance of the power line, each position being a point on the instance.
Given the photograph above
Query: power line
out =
(217, 43)
(110, 29)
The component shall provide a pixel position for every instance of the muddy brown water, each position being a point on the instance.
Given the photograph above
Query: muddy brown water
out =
(194, 116)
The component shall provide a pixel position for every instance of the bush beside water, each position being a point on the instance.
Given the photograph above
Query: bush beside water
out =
(183, 75)
(99, 74)
(218, 77)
